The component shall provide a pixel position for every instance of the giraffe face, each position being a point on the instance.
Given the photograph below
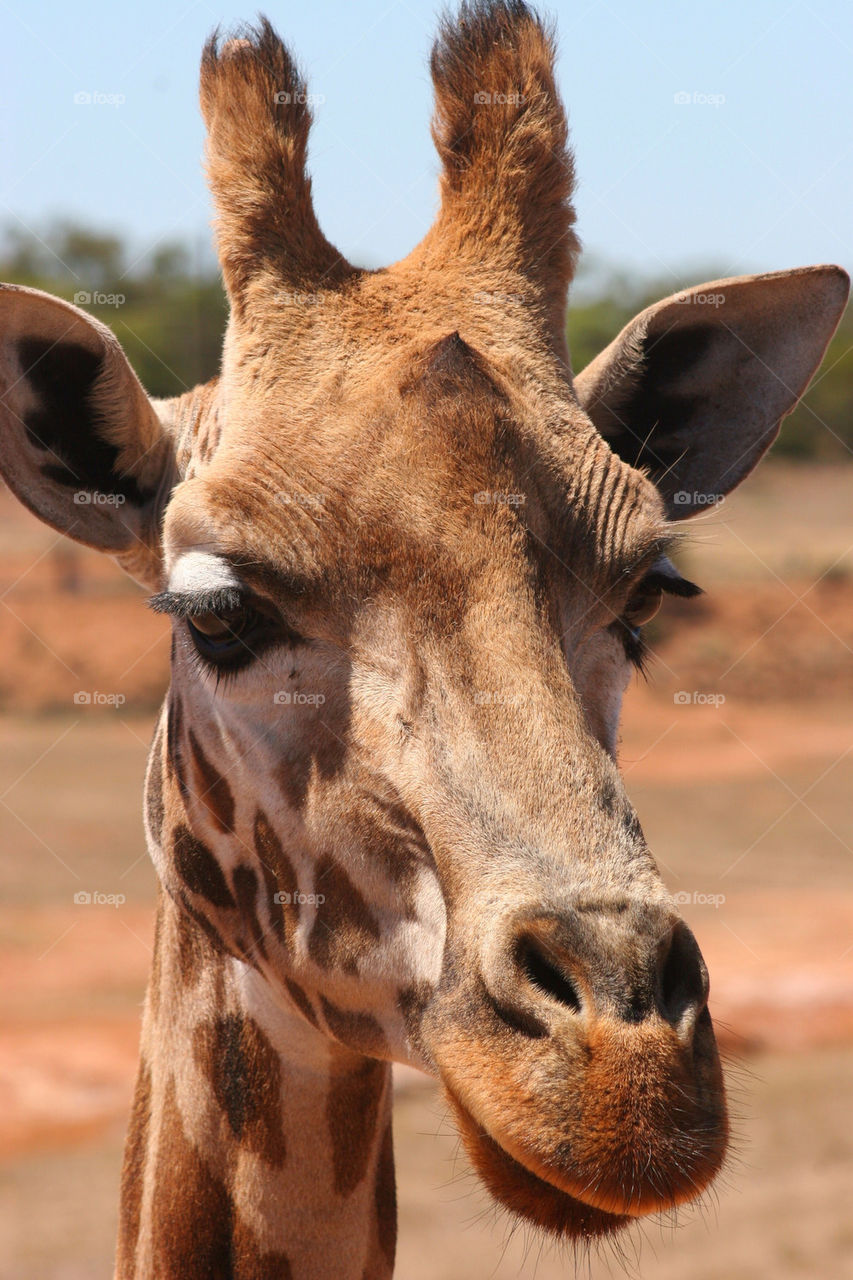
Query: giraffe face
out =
(385, 777)
(408, 557)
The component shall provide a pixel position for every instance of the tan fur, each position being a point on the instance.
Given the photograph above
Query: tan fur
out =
(253, 101)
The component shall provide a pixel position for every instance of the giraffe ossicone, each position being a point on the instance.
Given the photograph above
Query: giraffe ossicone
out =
(407, 557)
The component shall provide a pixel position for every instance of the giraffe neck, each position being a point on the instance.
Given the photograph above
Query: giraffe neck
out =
(258, 1149)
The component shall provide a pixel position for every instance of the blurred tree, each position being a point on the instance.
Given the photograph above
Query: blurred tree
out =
(170, 317)
(94, 258)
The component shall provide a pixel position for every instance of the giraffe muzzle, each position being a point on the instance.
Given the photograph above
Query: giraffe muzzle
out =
(591, 1092)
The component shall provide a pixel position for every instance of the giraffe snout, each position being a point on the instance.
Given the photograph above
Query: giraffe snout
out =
(591, 1091)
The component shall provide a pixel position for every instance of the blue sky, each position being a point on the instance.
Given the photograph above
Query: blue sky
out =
(753, 171)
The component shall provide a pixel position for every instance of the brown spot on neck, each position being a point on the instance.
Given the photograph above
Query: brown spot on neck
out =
(301, 1001)
(199, 870)
(344, 926)
(244, 1072)
(213, 792)
(358, 1031)
(279, 875)
(385, 1198)
(195, 1229)
(352, 1115)
(245, 883)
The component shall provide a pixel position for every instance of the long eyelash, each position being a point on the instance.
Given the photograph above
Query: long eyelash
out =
(194, 604)
(633, 640)
(224, 676)
(673, 585)
(636, 649)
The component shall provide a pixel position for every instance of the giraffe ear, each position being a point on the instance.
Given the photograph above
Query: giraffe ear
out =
(81, 444)
(693, 390)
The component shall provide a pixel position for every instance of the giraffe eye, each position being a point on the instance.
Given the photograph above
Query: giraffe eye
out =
(643, 605)
(220, 627)
(228, 628)
(227, 637)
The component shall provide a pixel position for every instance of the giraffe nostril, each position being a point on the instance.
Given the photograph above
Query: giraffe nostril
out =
(559, 973)
(546, 973)
(683, 976)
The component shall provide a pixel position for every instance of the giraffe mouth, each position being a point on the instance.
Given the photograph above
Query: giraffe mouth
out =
(525, 1193)
(595, 1123)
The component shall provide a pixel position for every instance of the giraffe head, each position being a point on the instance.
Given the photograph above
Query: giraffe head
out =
(407, 559)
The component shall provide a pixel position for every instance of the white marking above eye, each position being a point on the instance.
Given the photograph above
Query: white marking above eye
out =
(201, 571)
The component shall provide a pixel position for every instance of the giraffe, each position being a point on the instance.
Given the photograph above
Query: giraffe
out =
(407, 558)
